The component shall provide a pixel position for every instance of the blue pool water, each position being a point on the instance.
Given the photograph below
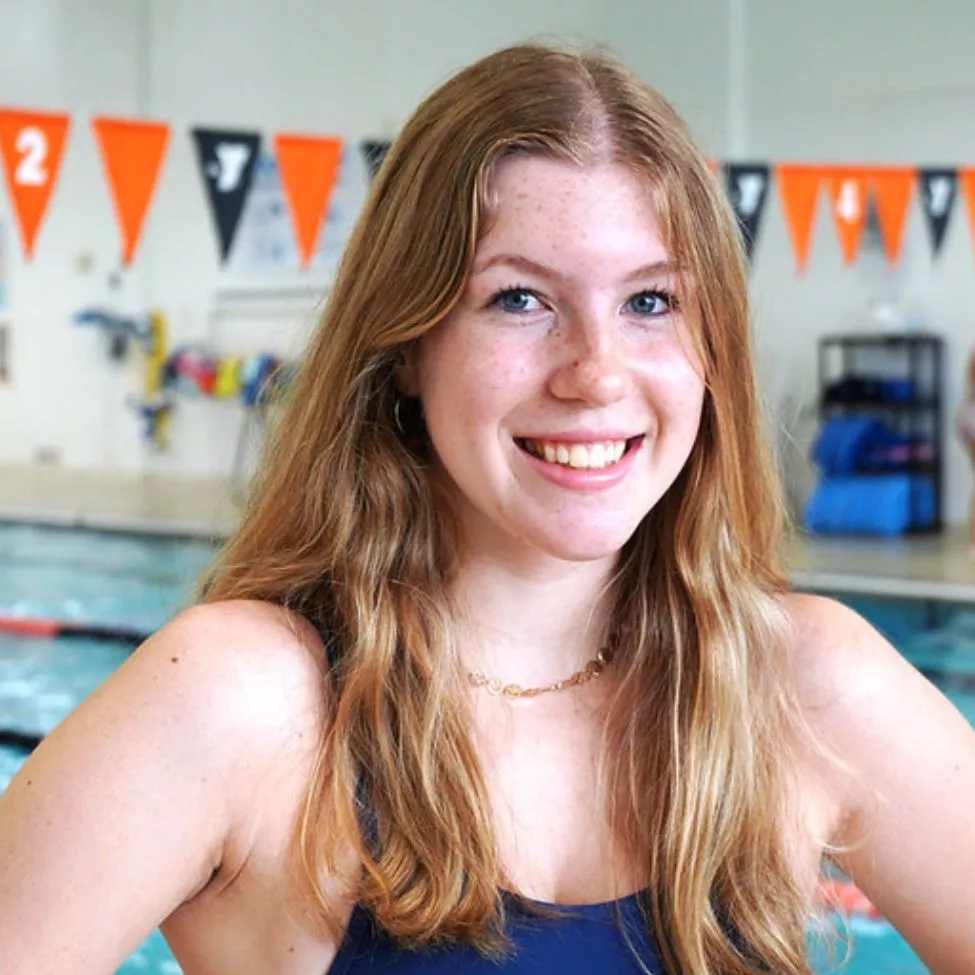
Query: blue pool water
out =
(92, 577)
(141, 582)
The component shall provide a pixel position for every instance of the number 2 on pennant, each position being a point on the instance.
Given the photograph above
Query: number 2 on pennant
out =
(32, 143)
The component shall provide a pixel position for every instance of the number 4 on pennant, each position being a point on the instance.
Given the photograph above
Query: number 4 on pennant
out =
(848, 188)
(32, 145)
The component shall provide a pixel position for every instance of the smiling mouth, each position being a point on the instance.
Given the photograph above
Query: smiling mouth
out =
(579, 456)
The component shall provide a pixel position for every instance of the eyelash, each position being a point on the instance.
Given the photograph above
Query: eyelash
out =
(669, 299)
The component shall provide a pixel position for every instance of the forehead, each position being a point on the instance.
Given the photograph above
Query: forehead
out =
(561, 210)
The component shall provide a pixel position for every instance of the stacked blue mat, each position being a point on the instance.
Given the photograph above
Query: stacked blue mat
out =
(849, 501)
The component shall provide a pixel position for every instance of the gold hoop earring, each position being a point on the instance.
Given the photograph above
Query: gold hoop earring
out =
(397, 419)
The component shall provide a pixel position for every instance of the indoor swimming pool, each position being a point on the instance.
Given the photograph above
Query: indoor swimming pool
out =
(140, 582)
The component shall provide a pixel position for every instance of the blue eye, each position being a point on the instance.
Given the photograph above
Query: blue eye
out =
(652, 303)
(515, 301)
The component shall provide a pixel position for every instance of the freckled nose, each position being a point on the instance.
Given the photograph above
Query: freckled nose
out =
(593, 370)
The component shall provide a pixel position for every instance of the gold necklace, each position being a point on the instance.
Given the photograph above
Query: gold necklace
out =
(495, 685)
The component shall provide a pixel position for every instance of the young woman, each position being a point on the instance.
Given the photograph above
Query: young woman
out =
(500, 669)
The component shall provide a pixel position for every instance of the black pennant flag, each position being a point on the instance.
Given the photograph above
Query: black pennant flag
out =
(747, 189)
(227, 161)
(374, 152)
(939, 189)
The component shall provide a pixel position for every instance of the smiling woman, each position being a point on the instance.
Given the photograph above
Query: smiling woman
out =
(500, 669)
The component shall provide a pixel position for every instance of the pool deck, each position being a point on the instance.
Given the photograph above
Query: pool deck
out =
(940, 568)
(147, 503)
(931, 568)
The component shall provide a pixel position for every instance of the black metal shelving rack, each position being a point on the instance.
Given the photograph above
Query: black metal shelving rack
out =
(916, 356)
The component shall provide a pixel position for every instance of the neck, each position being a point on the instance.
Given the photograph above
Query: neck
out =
(534, 622)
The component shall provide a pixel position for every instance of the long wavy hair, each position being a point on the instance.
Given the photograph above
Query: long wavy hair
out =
(346, 526)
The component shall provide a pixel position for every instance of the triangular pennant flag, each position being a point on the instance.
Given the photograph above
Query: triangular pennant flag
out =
(848, 193)
(799, 189)
(374, 152)
(939, 189)
(747, 189)
(309, 166)
(32, 144)
(892, 192)
(227, 161)
(132, 153)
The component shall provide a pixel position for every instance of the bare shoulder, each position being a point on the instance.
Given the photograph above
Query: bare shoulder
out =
(909, 788)
(856, 689)
(163, 769)
(243, 677)
(838, 657)
(239, 685)
(852, 682)
(256, 664)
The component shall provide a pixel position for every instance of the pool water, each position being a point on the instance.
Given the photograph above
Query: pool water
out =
(91, 577)
(141, 582)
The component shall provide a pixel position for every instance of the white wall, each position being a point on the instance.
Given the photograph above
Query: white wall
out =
(878, 80)
(683, 49)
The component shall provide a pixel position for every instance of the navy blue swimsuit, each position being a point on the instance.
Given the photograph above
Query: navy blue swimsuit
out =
(603, 938)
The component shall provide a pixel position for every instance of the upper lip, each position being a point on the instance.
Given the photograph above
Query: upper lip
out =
(580, 436)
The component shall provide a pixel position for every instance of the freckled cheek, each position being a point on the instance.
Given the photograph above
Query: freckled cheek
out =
(496, 373)
(495, 392)
(473, 386)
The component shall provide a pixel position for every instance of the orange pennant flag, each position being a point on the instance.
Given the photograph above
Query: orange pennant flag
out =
(132, 153)
(967, 179)
(309, 166)
(799, 189)
(893, 189)
(848, 193)
(32, 144)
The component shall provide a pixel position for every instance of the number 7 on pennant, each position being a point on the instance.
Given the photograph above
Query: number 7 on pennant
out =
(32, 145)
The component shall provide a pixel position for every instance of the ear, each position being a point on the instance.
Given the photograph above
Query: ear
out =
(406, 375)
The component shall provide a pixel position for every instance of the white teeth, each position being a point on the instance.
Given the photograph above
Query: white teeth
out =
(594, 456)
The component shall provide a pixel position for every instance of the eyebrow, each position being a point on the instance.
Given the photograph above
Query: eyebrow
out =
(521, 263)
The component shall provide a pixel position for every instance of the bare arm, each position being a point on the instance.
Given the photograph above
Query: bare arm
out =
(124, 812)
(911, 799)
